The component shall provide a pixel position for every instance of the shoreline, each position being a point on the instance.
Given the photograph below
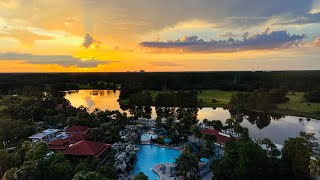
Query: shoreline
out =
(275, 111)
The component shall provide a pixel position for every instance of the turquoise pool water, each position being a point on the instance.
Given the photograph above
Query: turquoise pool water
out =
(150, 155)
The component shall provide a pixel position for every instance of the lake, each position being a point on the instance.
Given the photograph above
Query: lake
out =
(260, 125)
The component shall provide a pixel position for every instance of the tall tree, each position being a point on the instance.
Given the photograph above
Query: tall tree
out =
(140, 176)
(187, 165)
(297, 152)
(314, 167)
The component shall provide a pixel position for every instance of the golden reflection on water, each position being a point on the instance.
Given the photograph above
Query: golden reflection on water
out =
(277, 130)
(92, 99)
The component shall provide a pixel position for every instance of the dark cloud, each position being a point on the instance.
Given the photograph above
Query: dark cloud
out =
(262, 41)
(101, 15)
(245, 35)
(305, 19)
(62, 60)
(210, 10)
(90, 40)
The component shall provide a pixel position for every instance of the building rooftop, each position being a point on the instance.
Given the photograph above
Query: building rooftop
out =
(59, 144)
(220, 137)
(77, 137)
(44, 133)
(51, 131)
(38, 136)
(87, 148)
(76, 129)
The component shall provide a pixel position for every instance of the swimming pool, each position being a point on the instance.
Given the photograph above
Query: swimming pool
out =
(150, 155)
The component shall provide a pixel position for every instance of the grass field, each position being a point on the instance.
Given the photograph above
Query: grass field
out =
(206, 96)
(297, 107)
(222, 97)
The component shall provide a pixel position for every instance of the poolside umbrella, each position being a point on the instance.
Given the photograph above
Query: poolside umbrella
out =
(167, 140)
(205, 160)
(196, 150)
(163, 133)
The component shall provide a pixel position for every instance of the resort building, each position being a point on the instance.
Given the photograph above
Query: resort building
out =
(83, 149)
(62, 144)
(76, 129)
(59, 144)
(46, 135)
(221, 137)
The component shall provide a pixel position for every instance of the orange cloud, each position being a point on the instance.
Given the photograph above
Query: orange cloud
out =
(25, 36)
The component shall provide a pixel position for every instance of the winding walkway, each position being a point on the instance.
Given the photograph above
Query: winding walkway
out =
(164, 176)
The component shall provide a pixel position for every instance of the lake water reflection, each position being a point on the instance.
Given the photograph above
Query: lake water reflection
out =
(260, 125)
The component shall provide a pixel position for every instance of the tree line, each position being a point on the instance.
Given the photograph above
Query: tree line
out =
(241, 81)
(165, 99)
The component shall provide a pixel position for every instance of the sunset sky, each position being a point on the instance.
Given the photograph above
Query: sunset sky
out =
(158, 35)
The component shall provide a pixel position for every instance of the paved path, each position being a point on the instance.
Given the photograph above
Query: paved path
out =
(164, 176)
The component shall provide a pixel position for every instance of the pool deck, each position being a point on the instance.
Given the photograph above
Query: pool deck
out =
(164, 176)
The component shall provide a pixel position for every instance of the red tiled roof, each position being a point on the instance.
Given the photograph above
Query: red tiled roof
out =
(102, 150)
(220, 138)
(77, 137)
(59, 144)
(76, 129)
(87, 148)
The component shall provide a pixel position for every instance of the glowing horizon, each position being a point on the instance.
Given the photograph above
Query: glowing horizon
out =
(156, 36)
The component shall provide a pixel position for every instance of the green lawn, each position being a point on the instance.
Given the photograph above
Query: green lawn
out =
(206, 96)
(297, 107)
(222, 97)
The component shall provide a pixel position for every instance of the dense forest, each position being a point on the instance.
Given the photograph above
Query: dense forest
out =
(241, 81)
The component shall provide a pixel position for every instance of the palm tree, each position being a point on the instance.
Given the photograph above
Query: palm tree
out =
(187, 164)
(188, 149)
(268, 143)
(195, 132)
(205, 122)
(237, 128)
(230, 123)
(92, 175)
(314, 167)
(273, 152)
(141, 176)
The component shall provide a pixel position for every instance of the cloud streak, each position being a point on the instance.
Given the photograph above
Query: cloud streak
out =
(164, 64)
(266, 40)
(305, 19)
(25, 36)
(62, 60)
